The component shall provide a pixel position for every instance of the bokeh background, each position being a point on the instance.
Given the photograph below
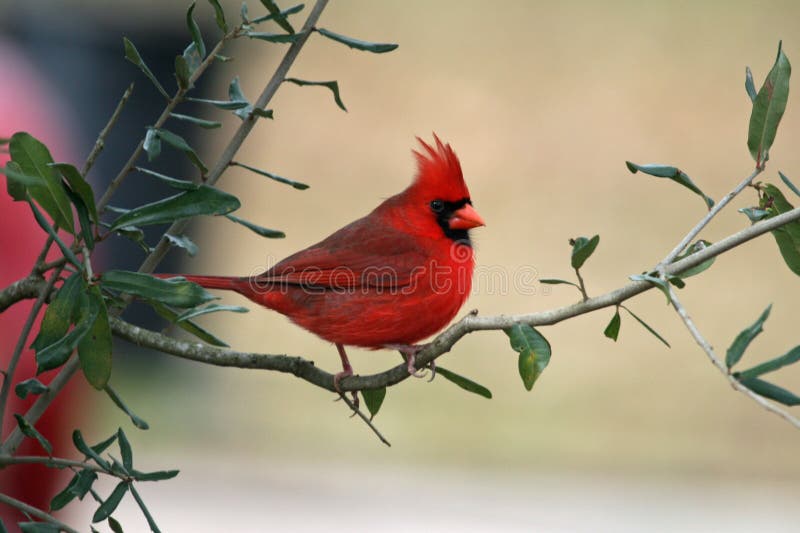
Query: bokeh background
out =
(543, 102)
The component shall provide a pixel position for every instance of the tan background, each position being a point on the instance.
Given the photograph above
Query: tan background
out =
(543, 102)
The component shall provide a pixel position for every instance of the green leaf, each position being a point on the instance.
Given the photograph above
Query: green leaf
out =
(771, 391)
(275, 37)
(332, 85)
(554, 281)
(114, 525)
(145, 511)
(152, 144)
(102, 446)
(582, 249)
(221, 104)
(182, 73)
(296, 184)
(646, 326)
(188, 325)
(204, 200)
(135, 420)
(56, 354)
(110, 505)
(60, 313)
(175, 183)
(264, 232)
(787, 236)
(30, 386)
(87, 227)
(210, 308)
(257, 111)
(375, 48)
(173, 291)
(465, 383)
(673, 173)
(754, 214)
(38, 527)
(768, 108)
(374, 399)
(29, 431)
(179, 143)
(61, 499)
(534, 352)
(789, 184)
(745, 337)
(182, 241)
(132, 55)
(285, 13)
(693, 249)
(276, 14)
(207, 124)
(125, 449)
(612, 329)
(194, 30)
(789, 358)
(136, 235)
(94, 350)
(89, 452)
(17, 181)
(749, 86)
(50, 230)
(657, 282)
(79, 186)
(160, 475)
(34, 159)
(219, 15)
(192, 57)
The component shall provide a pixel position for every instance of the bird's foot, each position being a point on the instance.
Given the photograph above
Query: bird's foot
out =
(347, 370)
(409, 352)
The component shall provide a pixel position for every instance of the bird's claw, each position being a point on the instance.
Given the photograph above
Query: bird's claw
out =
(337, 378)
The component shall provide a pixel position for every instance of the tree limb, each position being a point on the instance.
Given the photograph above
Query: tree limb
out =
(33, 511)
(23, 289)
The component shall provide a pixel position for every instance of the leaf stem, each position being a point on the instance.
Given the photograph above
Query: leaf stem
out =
(581, 286)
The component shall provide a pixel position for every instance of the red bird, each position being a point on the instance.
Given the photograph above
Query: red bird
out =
(387, 280)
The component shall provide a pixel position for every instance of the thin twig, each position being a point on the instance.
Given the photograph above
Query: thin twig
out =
(365, 418)
(100, 143)
(54, 462)
(33, 511)
(706, 219)
(717, 362)
(581, 287)
(22, 340)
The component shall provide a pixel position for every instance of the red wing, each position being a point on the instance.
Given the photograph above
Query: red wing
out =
(363, 253)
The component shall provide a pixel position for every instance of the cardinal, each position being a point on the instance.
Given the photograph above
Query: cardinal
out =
(387, 280)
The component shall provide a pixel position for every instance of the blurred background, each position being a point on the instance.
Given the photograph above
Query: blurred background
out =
(543, 102)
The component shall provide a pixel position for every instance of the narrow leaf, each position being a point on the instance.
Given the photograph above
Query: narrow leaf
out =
(135, 420)
(30, 386)
(18, 181)
(275, 37)
(646, 326)
(332, 85)
(61, 499)
(160, 475)
(787, 236)
(754, 214)
(264, 232)
(376, 48)
(789, 184)
(179, 143)
(111, 503)
(102, 446)
(182, 73)
(277, 16)
(175, 183)
(554, 281)
(465, 383)
(693, 249)
(771, 391)
(50, 230)
(94, 350)
(193, 60)
(296, 184)
(87, 226)
(745, 337)
(582, 249)
(194, 30)
(188, 325)
(79, 186)
(85, 449)
(210, 308)
(221, 104)
(204, 200)
(29, 431)
(673, 173)
(182, 241)
(285, 13)
(114, 525)
(612, 329)
(219, 15)
(768, 108)
(56, 354)
(173, 291)
(658, 282)
(374, 399)
(534, 352)
(34, 159)
(152, 144)
(789, 358)
(145, 511)
(207, 124)
(125, 450)
(60, 313)
(749, 86)
(132, 55)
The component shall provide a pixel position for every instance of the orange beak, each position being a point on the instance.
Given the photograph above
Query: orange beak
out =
(466, 218)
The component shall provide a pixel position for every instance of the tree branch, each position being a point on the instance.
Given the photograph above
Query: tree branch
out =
(53, 462)
(717, 362)
(33, 511)
(23, 289)
(306, 369)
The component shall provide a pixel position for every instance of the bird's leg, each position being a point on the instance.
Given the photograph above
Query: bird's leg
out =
(409, 352)
(347, 370)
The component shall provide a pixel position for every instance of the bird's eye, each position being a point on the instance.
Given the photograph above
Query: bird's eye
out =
(437, 206)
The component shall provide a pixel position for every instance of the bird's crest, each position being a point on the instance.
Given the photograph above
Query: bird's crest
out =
(439, 171)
